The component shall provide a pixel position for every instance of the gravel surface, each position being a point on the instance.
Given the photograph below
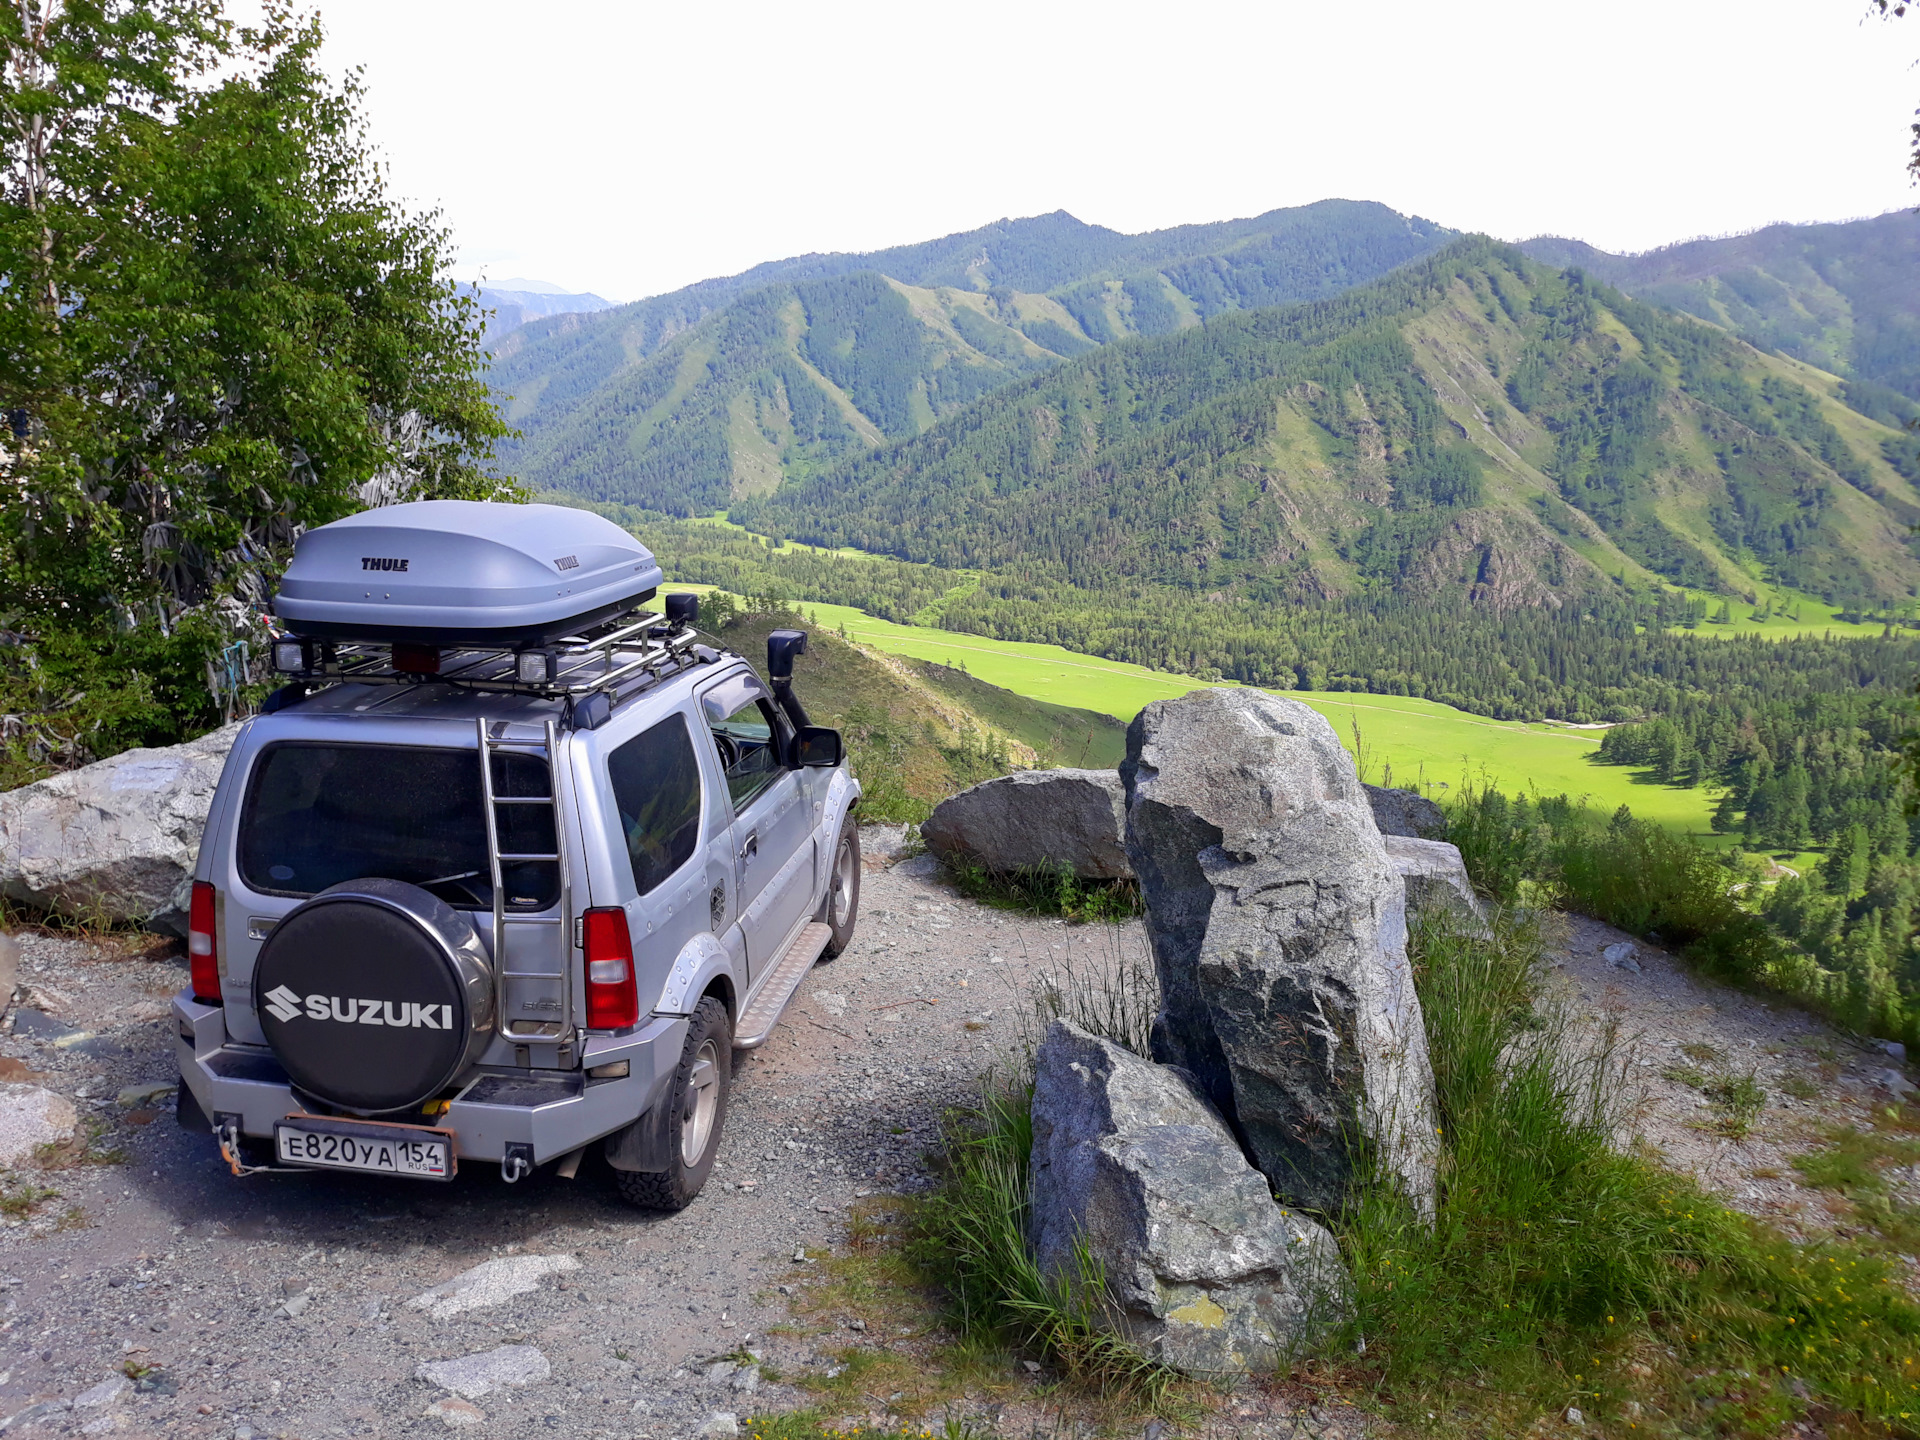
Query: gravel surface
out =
(320, 1305)
(315, 1306)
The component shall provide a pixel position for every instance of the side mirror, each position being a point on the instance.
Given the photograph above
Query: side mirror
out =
(818, 747)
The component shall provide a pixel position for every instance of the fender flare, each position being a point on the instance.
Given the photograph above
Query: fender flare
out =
(842, 793)
(699, 961)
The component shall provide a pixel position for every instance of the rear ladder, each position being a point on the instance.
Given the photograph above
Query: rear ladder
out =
(515, 988)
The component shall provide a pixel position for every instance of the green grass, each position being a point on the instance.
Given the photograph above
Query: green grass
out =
(1409, 742)
(1560, 1271)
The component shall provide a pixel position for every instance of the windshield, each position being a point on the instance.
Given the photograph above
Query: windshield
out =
(319, 814)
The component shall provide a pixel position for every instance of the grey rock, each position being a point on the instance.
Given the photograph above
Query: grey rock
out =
(1040, 819)
(1622, 955)
(9, 969)
(719, 1370)
(746, 1380)
(114, 840)
(721, 1422)
(1278, 927)
(482, 1373)
(1894, 1048)
(34, 1414)
(295, 1305)
(104, 1394)
(1436, 878)
(36, 1024)
(31, 1117)
(1405, 813)
(1203, 1268)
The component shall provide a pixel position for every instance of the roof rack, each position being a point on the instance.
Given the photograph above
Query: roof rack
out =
(618, 658)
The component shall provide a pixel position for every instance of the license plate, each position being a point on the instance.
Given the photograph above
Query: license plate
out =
(370, 1146)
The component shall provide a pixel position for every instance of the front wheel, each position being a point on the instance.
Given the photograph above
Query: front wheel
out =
(699, 1100)
(842, 905)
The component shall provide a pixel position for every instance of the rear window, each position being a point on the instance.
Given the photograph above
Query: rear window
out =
(317, 815)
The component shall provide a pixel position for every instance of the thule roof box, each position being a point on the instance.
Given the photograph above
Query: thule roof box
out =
(463, 572)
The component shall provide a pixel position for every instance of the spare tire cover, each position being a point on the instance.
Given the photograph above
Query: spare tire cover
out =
(374, 995)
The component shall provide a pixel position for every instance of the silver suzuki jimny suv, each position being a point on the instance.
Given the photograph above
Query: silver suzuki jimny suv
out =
(509, 866)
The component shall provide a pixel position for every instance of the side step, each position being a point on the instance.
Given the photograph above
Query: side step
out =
(763, 1011)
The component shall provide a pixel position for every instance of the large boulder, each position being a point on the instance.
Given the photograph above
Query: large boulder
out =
(1405, 812)
(1204, 1270)
(1278, 927)
(1037, 819)
(115, 840)
(1436, 878)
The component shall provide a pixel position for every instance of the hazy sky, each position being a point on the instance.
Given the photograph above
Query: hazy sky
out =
(630, 148)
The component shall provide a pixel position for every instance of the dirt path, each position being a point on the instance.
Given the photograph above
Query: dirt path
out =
(1684, 1036)
(280, 1306)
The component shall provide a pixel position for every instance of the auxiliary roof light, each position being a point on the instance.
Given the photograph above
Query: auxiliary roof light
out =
(533, 667)
(292, 656)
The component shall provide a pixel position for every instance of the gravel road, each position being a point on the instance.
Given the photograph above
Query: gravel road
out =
(318, 1306)
(292, 1305)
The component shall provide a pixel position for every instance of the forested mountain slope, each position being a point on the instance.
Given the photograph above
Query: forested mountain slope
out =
(687, 401)
(1475, 423)
(1840, 296)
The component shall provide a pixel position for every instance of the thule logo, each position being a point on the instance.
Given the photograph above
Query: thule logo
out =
(383, 562)
(284, 1005)
(567, 562)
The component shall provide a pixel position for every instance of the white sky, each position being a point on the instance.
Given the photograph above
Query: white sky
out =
(631, 148)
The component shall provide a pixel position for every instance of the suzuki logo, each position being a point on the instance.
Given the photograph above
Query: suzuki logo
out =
(284, 1005)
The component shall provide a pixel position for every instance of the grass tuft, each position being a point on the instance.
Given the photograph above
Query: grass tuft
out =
(1037, 890)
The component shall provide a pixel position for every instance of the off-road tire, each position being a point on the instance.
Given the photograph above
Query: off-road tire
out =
(841, 909)
(709, 1040)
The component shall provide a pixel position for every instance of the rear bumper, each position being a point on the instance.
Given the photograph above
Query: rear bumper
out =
(553, 1111)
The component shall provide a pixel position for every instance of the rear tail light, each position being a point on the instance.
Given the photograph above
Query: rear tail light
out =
(613, 996)
(203, 951)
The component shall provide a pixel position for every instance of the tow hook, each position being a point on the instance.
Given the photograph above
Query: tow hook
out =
(227, 1131)
(517, 1163)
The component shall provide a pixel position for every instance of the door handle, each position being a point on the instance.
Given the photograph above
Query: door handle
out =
(751, 848)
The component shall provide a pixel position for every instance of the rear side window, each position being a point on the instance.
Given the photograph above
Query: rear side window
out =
(317, 815)
(656, 788)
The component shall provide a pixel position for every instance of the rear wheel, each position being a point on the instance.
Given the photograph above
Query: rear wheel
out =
(842, 905)
(698, 1095)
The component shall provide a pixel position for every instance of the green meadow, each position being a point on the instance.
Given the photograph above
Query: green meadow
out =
(1400, 740)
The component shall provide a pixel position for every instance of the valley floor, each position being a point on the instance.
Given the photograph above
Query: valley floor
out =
(285, 1306)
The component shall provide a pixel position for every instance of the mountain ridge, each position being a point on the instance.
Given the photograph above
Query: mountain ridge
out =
(1474, 420)
(755, 392)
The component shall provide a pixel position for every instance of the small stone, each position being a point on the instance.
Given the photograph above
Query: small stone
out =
(833, 1004)
(1897, 1082)
(295, 1306)
(31, 1117)
(1574, 1417)
(480, 1374)
(103, 1394)
(1894, 1048)
(1622, 956)
(160, 1325)
(371, 1309)
(293, 1284)
(720, 1370)
(490, 1283)
(746, 1379)
(799, 1257)
(1032, 1367)
(721, 1422)
(135, 1097)
(455, 1414)
(857, 1325)
(243, 1432)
